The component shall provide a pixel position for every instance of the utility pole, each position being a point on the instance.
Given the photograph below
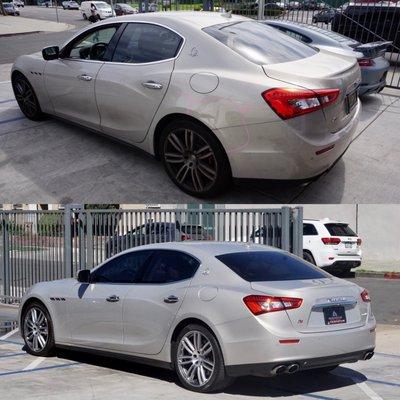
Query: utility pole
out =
(57, 10)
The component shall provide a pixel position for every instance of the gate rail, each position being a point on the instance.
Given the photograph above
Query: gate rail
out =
(39, 246)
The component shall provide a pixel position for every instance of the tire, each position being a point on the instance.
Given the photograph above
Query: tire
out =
(44, 329)
(204, 174)
(216, 379)
(26, 97)
(308, 257)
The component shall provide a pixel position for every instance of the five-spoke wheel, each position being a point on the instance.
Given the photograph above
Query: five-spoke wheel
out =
(194, 159)
(26, 98)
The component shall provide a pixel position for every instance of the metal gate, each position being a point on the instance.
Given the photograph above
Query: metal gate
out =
(38, 246)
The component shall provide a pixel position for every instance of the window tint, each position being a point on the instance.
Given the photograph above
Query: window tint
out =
(93, 46)
(260, 43)
(309, 229)
(340, 230)
(141, 43)
(170, 266)
(258, 266)
(123, 269)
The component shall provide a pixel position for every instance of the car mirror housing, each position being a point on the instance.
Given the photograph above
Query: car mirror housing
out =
(84, 276)
(51, 53)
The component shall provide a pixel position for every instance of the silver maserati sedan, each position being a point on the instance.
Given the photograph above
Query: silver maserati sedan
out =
(210, 311)
(214, 96)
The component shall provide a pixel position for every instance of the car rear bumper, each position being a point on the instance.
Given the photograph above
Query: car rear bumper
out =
(344, 264)
(276, 151)
(267, 369)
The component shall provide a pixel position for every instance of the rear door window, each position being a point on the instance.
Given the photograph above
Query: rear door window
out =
(259, 43)
(340, 230)
(266, 266)
(309, 230)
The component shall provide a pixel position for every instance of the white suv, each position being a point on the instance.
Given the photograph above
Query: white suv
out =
(331, 244)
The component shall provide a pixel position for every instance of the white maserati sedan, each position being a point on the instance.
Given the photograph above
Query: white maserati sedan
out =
(211, 311)
(214, 96)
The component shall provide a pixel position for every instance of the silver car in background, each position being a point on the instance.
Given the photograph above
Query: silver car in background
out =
(211, 311)
(214, 96)
(370, 56)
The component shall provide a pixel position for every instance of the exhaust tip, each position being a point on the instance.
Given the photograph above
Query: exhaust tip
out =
(291, 369)
(368, 355)
(279, 369)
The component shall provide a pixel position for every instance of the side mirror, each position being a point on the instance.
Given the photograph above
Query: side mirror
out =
(84, 276)
(51, 53)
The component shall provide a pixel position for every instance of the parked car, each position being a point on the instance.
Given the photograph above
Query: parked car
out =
(70, 5)
(10, 9)
(325, 16)
(195, 232)
(124, 9)
(210, 311)
(165, 88)
(369, 22)
(151, 232)
(331, 245)
(370, 56)
(102, 10)
(19, 3)
(312, 5)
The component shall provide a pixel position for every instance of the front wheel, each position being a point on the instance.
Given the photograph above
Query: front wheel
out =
(194, 159)
(198, 360)
(37, 330)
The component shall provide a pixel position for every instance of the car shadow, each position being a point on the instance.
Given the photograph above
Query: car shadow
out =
(306, 382)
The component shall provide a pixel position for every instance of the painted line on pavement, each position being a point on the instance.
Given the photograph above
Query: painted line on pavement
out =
(11, 342)
(5, 121)
(5, 82)
(7, 335)
(13, 355)
(387, 355)
(21, 371)
(367, 390)
(384, 382)
(35, 363)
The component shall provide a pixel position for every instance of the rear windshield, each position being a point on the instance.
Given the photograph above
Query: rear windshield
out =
(192, 229)
(264, 266)
(260, 43)
(340, 230)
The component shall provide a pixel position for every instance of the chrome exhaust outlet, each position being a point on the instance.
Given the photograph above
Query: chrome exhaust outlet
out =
(368, 355)
(291, 369)
(279, 369)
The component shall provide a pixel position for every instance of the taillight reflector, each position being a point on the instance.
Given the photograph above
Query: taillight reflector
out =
(365, 296)
(359, 241)
(265, 304)
(366, 62)
(184, 236)
(290, 103)
(289, 341)
(330, 240)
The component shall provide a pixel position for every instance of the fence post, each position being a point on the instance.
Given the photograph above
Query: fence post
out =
(297, 234)
(89, 240)
(285, 233)
(67, 242)
(5, 256)
(81, 238)
(261, 5)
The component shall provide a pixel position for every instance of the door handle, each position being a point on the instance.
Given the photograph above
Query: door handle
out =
(171, 299)
(152, 85)
(84, 77)
(113, 298)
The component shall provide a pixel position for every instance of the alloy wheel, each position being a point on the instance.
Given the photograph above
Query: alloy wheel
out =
(190, 159)
(195, 358)
(36, 329)
(25, 97)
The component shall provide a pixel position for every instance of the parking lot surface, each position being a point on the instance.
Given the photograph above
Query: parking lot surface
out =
(72, 375)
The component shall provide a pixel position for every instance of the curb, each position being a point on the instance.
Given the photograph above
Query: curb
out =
(377, 274)
(19, 33)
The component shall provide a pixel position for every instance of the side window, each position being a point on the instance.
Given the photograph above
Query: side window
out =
(142, 43)
(169, 266)
(123, 269)
(93, 46)
(309, 230)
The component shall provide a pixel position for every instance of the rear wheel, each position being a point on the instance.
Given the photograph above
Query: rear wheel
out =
(308, 257)
(198, 360)
(37, 330)
(194, 159)
(26, 97)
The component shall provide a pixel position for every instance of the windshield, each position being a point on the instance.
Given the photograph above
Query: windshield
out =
(260, 43)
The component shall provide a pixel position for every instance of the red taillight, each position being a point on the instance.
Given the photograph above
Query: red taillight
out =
(365, 62)
(330, 240)
(290, 103)
(184, 236)
(365, 296)
(359, 241)
(265, 304)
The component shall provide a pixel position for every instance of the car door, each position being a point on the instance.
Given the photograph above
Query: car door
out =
(70, 80)
(95, 309)
(130, 89)
(151, 306)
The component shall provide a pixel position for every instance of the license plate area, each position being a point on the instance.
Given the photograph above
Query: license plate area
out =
(351, 100)
(348, 245)
(334, 315)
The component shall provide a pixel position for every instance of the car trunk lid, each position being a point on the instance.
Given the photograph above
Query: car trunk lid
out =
(328, 304)
(324, 70)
